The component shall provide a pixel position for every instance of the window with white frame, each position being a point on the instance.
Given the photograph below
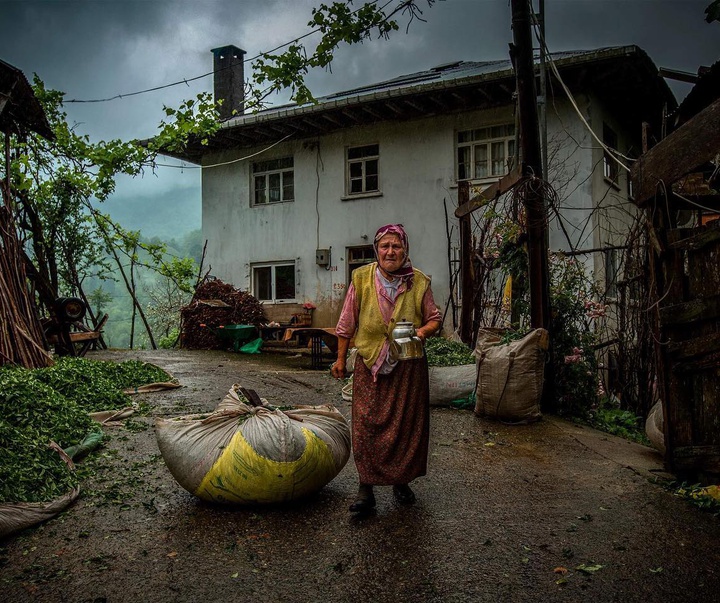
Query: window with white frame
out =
(273, 181)
(485, 153)
(363, 175)
(610, 164)
(274, 282)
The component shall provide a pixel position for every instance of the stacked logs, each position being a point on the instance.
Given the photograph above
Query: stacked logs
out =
(216, 304)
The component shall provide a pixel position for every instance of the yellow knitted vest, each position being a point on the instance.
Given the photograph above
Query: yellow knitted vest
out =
(372, 330)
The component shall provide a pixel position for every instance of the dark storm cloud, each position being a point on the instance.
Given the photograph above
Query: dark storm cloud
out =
(97, 49)
(674, 33)
(68, 42)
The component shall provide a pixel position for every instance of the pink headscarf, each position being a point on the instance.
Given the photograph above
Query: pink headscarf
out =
(406, 270)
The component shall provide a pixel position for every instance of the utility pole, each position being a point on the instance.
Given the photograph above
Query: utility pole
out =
(466, 270)
(535, 208)
(542, 104)
(536, 212)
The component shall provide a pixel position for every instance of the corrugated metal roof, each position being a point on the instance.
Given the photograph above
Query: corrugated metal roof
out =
(440, 76)
(623, 77)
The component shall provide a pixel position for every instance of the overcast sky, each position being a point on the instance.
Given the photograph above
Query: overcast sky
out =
(95, 49)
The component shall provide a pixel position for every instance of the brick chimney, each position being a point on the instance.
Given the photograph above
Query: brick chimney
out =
(229, 79)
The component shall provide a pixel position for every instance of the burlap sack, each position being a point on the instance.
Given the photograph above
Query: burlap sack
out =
(510, 378)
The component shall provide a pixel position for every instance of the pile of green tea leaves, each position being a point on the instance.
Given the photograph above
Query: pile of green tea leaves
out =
(444, 352)
(97, 384)
(52, 404)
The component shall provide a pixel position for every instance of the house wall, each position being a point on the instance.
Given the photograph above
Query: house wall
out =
(596, 212)
(615, 212)
(417, 178)
(570, 167)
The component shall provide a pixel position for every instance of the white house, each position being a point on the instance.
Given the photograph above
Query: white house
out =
(292, 196)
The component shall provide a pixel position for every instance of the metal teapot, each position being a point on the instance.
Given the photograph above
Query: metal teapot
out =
(404, 344)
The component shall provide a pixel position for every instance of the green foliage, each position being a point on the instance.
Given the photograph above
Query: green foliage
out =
(170, 340)
(622, 423)
(58, 185)
(194, 119)
(97, 385)
(706, 498)
(444, 352)
(28, 403)
(99, 299)
(30, 471)
(573, 314)
(338, 25)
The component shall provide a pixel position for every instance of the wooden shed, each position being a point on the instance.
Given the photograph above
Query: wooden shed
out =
(677, 183)
(21, 337)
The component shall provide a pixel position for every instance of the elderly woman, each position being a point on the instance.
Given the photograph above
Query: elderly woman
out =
(391, 406)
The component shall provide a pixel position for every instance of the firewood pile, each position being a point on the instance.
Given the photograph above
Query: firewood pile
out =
(21, 339)
(217, 304)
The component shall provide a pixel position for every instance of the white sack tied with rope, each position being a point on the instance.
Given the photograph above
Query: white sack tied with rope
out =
(250, 452)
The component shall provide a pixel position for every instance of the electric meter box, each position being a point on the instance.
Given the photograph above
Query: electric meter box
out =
(322, 257)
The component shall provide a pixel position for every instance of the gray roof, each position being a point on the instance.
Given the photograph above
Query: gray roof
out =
(624, 77)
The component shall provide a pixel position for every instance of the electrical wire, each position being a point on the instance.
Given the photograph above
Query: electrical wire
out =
(691, 202)
(198, 77)
(205, 167)
(611, 152)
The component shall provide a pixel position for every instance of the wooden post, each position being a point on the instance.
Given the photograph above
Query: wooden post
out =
(535, 209)
(466, 278)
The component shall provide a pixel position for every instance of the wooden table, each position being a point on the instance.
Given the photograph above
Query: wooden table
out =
(317, 336)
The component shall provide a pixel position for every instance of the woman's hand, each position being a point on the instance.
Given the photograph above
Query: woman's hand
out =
(427, 330)
(337, 370)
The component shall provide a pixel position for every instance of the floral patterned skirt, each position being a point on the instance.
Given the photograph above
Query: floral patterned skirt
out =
(391, 423)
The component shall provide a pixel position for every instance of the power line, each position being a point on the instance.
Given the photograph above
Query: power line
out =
(611, 153)
(239, 159)
(198, 77)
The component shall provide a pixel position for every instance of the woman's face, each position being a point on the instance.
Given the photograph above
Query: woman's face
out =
(391, 254)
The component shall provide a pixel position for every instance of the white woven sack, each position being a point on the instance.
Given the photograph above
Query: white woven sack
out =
(351, 359)
(248, 454)
(347, 390)
(510, 378)
(449, 383)
(654, 427)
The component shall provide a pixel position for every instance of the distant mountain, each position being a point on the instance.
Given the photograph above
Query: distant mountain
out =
(166, 214)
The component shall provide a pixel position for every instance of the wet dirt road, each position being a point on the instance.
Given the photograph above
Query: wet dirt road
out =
(545, 512)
